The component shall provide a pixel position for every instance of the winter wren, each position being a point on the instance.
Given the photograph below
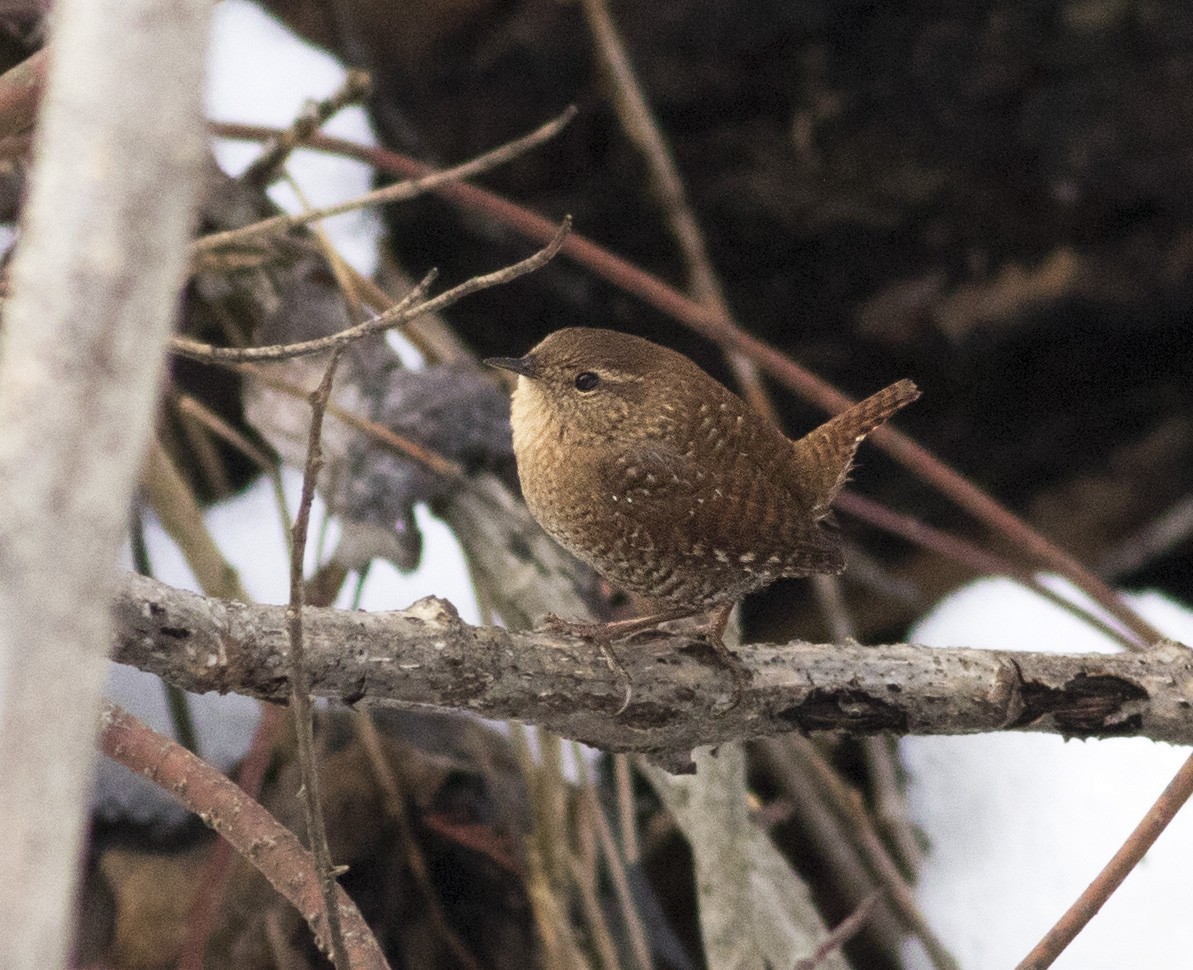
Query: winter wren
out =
(643, 466)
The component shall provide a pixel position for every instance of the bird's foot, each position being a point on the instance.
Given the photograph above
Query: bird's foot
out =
(599, 633)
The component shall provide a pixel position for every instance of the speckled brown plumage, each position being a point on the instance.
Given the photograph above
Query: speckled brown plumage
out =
(642, 465)
(667, 483)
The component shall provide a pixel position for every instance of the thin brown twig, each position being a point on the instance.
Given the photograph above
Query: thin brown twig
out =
(430, 459)
(890, 810)
(848, 804)
(217, 870)
(180, 514)
(264, 169)
(212, 354)
(1168, 530)
(822, 827)
(653, 291)
(585, 876)
(547, 903)
(890, 805)
(841, 934)
(643, 130)
(639, 944)
(400, 192)
(300, 698)
(393, 317)
(395, 806)
(198, 440)
(200, 412)
(1086, 907)
(980, 560)
(344, 279)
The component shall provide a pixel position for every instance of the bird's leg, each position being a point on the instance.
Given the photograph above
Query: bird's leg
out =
(605, 642)
(605, 633)
(616, 629)
(718, 620)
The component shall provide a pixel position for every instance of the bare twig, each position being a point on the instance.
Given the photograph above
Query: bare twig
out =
(212, 354)
(1086, 907)
(401, 192)
(834, 841)
(549, 905)
(1172, 528)
(722, 330)
(416, 861)
(395, 316)
(176, 506)
(217, 871)
(841, 934)
(300, 697)
(615, 864)
(200, 412)
(980, 560)
(584, 875)
(264, 169)
(640, 124)
(848, 804)
(273, 849)
(431, 460)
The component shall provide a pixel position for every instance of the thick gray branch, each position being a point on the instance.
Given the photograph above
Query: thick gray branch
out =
(426, 655)
(95, 281)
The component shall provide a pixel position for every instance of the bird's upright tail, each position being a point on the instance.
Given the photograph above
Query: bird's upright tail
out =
(824, 456)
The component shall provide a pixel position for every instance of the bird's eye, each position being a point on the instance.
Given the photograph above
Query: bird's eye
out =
(586, 381)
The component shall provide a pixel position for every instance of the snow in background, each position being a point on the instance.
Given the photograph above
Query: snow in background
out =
(261, 73)
(1020, 824)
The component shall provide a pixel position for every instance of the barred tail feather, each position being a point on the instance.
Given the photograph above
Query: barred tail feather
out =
(824, 456)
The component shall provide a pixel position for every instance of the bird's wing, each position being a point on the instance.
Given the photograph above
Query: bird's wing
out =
(732, 509)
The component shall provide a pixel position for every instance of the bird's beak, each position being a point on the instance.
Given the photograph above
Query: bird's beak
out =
(517, 365)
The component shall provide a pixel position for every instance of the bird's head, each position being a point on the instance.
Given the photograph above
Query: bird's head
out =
(585, 385)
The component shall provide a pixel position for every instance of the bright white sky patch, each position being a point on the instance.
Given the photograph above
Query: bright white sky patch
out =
(260, 73)
(1019, 824)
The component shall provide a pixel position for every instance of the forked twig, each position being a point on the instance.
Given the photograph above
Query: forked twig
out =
(841, 934)
(407, 309)
(356, 87)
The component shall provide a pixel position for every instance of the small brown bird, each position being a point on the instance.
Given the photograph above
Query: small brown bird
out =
(669, 485)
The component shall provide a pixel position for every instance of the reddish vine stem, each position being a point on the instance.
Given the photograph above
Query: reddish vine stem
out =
(1117, 869)
(649, 288)
(266, 844)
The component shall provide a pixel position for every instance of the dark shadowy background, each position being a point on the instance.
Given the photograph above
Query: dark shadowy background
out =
(992, 198)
